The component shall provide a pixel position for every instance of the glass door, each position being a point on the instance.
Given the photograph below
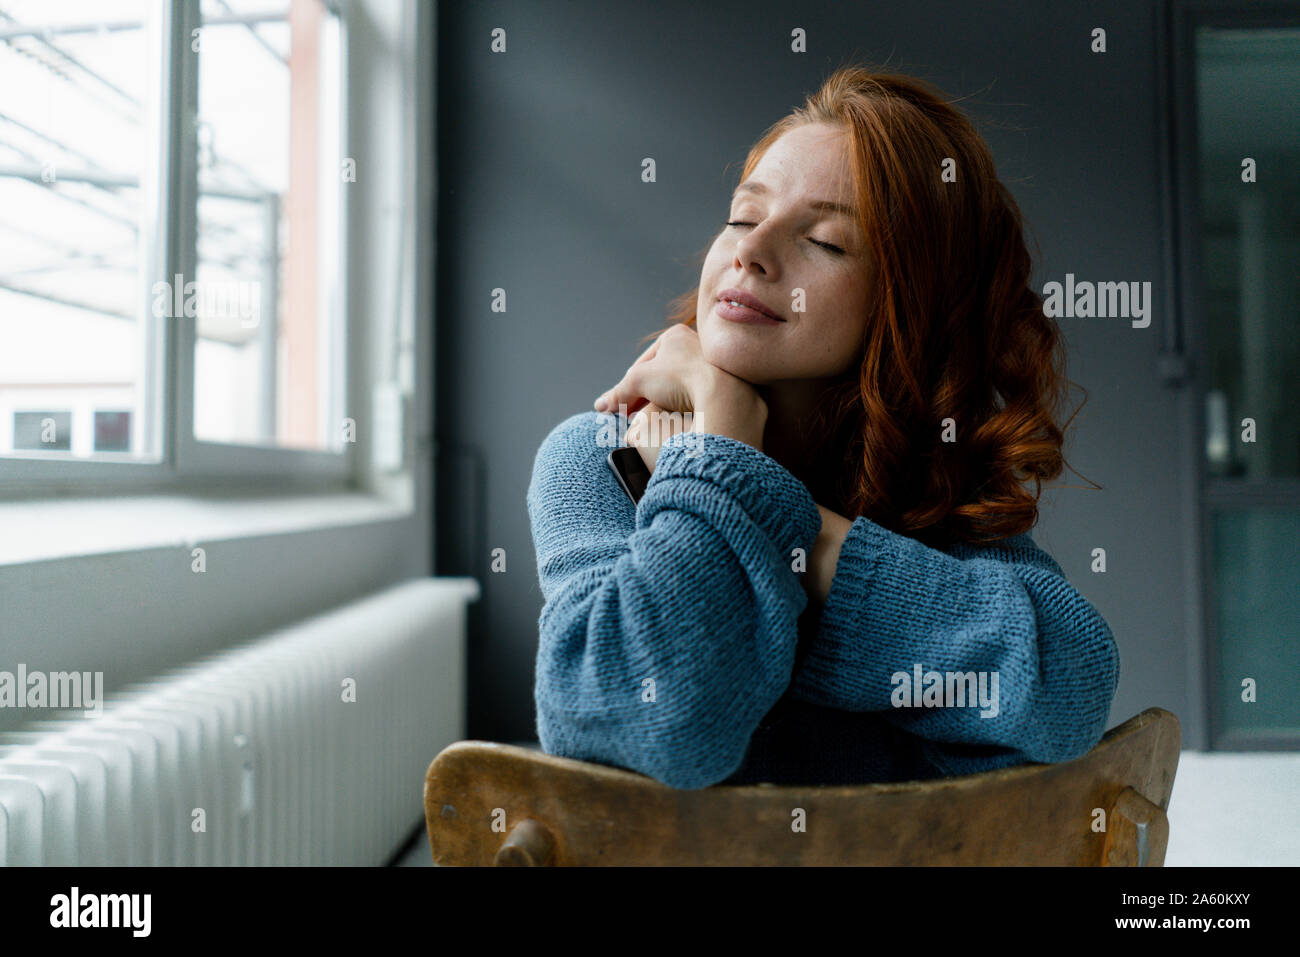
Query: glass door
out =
(1245, 280)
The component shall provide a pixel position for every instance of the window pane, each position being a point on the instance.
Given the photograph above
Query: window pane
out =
(1248, 88)
(112, 431)
(268, 224)
(48, 431)
(1257, 593)
(77, 129)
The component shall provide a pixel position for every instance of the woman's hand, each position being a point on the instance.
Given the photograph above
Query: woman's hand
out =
(650, 428)
(668, 374)
(673, 375)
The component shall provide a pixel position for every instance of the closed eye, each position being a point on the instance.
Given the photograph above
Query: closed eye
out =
(830, 247)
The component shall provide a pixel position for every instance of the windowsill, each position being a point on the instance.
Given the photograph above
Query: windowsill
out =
(46, 529)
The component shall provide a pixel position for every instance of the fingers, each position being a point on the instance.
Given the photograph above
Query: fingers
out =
(623, 391)
(622, 394)
(653, 425)
(626, 391)
(637, 431)
(649, 353)
(644, 433)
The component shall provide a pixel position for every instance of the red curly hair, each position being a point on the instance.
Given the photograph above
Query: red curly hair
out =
(971, 345)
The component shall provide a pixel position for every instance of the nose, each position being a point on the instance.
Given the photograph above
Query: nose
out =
(752, 253)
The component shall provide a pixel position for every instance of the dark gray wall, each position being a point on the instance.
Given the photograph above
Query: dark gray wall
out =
(540, 194)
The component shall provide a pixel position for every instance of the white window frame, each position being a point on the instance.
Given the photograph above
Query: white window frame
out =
(187, 462)
(115, 555)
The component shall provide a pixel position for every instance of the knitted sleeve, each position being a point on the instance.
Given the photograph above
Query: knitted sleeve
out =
(668, 630)
(983, 652)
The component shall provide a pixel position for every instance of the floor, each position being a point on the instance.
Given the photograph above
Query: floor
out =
(1235, 809)
(1226, 810)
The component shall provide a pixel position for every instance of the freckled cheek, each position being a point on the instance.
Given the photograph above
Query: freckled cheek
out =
(831, 305)
(838, 320)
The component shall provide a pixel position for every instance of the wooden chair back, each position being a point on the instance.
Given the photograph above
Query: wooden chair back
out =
(489, 803)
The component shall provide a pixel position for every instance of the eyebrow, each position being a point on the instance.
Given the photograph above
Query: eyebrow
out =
(749, 186)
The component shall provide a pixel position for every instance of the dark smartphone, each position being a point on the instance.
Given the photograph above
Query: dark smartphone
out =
(629, 468)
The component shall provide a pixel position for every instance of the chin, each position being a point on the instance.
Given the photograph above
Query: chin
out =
(738, 360)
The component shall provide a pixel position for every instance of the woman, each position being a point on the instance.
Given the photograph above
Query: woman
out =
(828, 579)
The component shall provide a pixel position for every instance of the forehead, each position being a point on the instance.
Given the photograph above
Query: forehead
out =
(809, 158)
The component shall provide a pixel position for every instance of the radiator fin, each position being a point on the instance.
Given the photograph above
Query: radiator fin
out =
(260, 739)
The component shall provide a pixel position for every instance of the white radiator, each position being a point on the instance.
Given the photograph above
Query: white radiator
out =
(253, 756)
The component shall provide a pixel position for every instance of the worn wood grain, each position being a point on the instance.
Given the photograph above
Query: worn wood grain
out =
(478, 794)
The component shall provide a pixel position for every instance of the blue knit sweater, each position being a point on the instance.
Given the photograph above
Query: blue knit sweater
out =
(677, 640)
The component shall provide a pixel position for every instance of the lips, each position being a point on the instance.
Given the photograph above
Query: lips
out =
(753, 302)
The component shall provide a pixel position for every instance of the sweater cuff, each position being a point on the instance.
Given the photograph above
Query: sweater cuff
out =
(864, 546)
(776, 500)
